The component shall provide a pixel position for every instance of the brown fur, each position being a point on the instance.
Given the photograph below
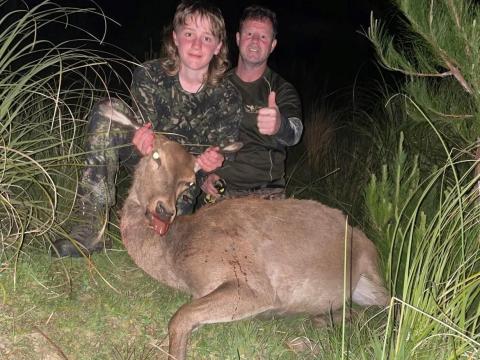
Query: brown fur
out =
(243, 257)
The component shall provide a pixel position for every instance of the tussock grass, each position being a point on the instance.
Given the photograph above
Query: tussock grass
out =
(47, 90)
(427, 230)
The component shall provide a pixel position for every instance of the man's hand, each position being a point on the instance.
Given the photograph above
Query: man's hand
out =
(143, 139)
(210, 160)
(268, 118)
(208, 185)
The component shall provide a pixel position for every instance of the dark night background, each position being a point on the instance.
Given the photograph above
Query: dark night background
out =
(321, 48)
(319, 41)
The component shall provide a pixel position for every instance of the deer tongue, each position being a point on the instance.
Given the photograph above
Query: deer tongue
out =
(160, 226)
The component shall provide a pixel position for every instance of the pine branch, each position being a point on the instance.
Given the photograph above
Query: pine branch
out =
(458, 24)
(451, 116)
(458, 75)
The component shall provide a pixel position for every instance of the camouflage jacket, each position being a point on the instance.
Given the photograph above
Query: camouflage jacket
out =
(261, 161)
(209, 117)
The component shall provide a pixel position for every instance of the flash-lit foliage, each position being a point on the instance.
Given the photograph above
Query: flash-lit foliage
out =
(46, 91)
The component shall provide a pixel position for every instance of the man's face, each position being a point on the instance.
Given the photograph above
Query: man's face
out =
(255, 41)
(196, 43)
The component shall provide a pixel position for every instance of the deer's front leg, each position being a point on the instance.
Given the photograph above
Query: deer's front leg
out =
(229, 302)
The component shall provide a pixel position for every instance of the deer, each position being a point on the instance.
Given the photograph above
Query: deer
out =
(242, 257)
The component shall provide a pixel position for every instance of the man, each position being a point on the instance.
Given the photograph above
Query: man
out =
(272, 119)
(183, 94)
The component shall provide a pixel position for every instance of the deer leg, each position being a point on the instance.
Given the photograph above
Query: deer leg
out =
(331, 318)
(370, 291)
(230, 301)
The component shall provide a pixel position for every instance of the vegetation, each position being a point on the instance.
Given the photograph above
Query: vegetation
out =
(47, 90)
(402, 163)
(421, 202)
(430, 218)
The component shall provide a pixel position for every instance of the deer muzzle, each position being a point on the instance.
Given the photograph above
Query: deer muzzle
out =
(160, 219)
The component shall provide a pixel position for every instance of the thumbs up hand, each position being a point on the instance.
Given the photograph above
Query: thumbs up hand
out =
(268, 118)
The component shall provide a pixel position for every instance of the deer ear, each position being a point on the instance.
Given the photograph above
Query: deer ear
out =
(196, 167)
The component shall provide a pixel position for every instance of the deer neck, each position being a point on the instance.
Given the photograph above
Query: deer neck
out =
(149, 250)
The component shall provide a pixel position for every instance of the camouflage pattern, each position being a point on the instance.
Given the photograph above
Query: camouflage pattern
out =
(276, 193)
(209, 117)
(263, 193)
(106, 144)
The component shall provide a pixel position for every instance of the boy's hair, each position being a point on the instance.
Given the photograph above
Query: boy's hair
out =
(257, 12)
(186, 10)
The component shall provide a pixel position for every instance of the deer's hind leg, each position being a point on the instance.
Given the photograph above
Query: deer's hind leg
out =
(229, 302)
(370, 291)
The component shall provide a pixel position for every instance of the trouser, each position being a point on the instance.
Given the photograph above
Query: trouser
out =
(108, 145)
(267, 193)
(274, 193)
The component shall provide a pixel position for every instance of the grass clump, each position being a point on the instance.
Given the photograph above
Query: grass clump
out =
(47, 90)
(428, 234)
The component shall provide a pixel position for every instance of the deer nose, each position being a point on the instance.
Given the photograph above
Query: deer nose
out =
(162, 213)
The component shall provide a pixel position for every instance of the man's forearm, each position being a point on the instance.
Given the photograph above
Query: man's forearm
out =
(290, 131)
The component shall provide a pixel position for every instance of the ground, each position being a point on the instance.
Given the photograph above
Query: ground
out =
(107, 308)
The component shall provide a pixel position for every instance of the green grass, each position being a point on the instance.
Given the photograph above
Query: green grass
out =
(85, 315)
(108, 308)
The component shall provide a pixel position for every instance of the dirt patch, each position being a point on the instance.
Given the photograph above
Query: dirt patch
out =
(29, 346)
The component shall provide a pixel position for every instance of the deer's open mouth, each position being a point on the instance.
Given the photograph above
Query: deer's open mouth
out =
(159, 218)
(159, 225)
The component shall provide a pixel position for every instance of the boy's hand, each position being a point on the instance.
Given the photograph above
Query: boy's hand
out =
(210, 160)
(143, 139)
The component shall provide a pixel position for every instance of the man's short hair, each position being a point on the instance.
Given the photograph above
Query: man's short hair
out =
(257, 12)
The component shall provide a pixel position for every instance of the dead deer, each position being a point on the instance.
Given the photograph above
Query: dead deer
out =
(242, 257)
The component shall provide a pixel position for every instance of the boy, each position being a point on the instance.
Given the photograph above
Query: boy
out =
(182, 94)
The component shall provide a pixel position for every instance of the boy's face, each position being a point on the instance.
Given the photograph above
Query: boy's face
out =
(196, 43)
(255, 41)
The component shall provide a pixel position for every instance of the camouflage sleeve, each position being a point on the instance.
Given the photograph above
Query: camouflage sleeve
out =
(142, 90)
(289, 104)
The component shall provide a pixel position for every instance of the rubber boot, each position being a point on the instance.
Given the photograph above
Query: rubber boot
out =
(87, 235)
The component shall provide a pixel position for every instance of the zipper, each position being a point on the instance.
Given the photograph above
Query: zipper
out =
(271, 164)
